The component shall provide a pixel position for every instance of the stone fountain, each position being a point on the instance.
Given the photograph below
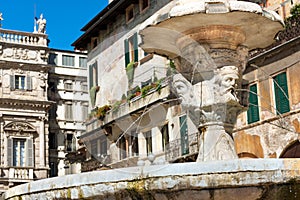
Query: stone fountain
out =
(209, 43)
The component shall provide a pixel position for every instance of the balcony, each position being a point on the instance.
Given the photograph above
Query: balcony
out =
(177, 152)
(138, 102)
(23, 38)
(20, 174)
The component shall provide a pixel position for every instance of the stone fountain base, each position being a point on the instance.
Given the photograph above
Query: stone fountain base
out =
(248, 179)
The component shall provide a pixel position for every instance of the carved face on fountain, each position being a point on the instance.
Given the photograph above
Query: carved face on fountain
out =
(226, 81)
(183, 89)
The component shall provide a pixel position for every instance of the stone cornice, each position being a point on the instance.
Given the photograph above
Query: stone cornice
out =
(25, 104)
(24, 66)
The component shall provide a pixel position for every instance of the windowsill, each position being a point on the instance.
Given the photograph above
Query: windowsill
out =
(271, 119)
(146, 58)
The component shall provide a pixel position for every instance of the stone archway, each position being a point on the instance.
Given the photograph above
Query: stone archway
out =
(292, 151)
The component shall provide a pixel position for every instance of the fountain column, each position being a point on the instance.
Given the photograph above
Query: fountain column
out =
(212, 58)
(209, 41)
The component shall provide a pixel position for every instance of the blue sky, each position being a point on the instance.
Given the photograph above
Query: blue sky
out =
(64, 18)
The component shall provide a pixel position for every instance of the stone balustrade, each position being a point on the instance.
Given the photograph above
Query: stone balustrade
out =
(24, 38)
(20, 173)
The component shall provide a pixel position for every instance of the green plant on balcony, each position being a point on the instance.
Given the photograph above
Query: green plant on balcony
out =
(116, 106)
(101, 112)
(136, 91)
(156, 86)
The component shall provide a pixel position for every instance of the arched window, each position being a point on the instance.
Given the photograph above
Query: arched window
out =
(292, 151)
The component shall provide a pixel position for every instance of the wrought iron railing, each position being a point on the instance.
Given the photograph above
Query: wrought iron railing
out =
(176, 149)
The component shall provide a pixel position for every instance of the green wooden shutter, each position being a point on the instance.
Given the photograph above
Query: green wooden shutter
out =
(9, 152)
(253, 111)
(12, 82)
(135, 46)
(184, 135)
(91, 76)
(29, 152)
(281, 94)
(96, 71)
(127, 56)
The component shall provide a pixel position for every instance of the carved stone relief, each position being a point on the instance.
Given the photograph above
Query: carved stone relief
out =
(23, 54)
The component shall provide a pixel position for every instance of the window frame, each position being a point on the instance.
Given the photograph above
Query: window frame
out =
(128, 12)
(68, 60)
(28, 151)
(255, 107)
(141, 5)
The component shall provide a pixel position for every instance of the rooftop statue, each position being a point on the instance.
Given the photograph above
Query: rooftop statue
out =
(41, 22)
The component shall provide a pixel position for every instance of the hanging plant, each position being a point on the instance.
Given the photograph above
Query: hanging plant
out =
(130, 72)
(101, 112)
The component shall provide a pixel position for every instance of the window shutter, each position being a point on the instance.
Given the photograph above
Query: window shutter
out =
(135, 46)
(96, 71)
(127, 57)
(184, 135)
(253, 111)
(9, 152)
(29, 152)
(28, 83)
(91, 76)
(12, 82)
(281, 94)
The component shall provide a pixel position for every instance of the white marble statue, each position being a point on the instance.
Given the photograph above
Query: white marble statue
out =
(184, 90)
(226, 83)
(41, 22)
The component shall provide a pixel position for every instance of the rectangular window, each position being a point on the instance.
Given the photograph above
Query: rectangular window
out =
(103, 145)
(131, 49)
(94, 148)
(69, 111)
(52, 141)
(253, 110)
(52, 60)
(68, 86)
(148, 137)
(68, 60)
(20, 152)
(20, 82)
(184, 135)
(82, 62)
(165, 136)
(129, 13)
(85, 110)
(123, 148)
(144, 4)
(281, 93)
(70, 145)
(53, 169)
(134, 144)
(84, 87)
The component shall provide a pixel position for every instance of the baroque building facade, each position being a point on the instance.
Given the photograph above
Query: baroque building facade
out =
(24, 106)
(68, 89)
(134, 122)
(43, 106)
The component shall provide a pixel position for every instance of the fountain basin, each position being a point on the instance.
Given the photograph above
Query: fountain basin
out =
(249, 24)
(224, 179)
